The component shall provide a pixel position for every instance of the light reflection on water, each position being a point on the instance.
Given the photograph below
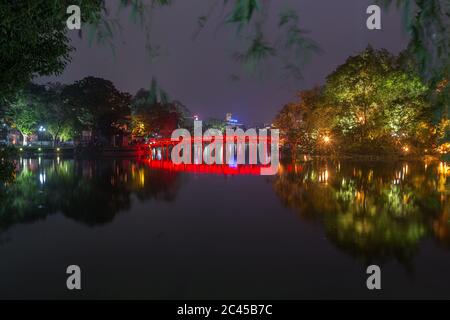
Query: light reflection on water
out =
(372, 211)
(386, 206)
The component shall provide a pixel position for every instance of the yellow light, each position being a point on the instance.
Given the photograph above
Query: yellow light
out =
(443, 169)
(21, 149)
(327, 139)
(58, 149)
(406, 148)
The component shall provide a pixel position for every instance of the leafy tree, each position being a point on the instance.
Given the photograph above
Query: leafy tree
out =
(35, 39)
(98, 106)
(428, 24)
(376, 100)
(27, 110)
(157, 119)
(292, 125)
(154, 113)
(303, 123)
(215, 124)
(60, 118)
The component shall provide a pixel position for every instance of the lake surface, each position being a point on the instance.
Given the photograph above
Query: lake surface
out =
(141, 231)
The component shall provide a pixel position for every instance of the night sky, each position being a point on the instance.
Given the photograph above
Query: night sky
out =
(197, 72)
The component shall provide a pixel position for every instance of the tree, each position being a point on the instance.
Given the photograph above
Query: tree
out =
(428, 23)
(291, 123)
(297, 122)
(60, 117)
(27, 110)
(375, 100)
(35, 39)
(98, 106)
(154, 113)
(215, 124)
(158, 118)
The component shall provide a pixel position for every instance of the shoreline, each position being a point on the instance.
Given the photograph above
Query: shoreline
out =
(370, 158)
(140, 151)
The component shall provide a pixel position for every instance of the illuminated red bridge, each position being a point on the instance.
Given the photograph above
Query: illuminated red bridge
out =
(161, 148)
(160, 156)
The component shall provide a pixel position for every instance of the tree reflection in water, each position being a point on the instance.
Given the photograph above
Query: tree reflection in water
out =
(374, 211)
(91, 192)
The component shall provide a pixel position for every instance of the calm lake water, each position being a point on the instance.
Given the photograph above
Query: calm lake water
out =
(138, 231)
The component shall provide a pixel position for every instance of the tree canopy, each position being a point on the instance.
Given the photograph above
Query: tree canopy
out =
(34, 39)
(153, 112)
(370, 104)
(98, 105)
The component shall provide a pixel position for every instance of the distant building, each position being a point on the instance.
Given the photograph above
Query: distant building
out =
(232, 123)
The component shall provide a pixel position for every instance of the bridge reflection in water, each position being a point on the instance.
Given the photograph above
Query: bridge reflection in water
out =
(227, 169)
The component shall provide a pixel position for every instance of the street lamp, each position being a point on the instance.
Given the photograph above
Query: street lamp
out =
(41, 130)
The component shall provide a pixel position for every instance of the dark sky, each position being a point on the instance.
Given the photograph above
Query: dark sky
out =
(197, 72)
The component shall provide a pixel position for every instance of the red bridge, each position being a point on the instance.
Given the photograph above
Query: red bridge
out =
(165, 145)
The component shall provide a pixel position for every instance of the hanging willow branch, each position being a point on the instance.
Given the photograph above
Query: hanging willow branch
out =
(290, 49)
(428, 22)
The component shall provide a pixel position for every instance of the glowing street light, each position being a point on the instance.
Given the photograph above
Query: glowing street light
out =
(327, 139)
(41, 129)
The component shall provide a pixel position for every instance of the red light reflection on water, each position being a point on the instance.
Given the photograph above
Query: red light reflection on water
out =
(224, 169)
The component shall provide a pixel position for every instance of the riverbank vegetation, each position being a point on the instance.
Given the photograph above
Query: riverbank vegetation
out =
(373, 104)
(92, 105)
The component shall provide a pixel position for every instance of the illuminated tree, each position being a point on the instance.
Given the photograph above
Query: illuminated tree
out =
(60, 118)
(27, 110)
(291, 121)
(154, 112)
(376, 100)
